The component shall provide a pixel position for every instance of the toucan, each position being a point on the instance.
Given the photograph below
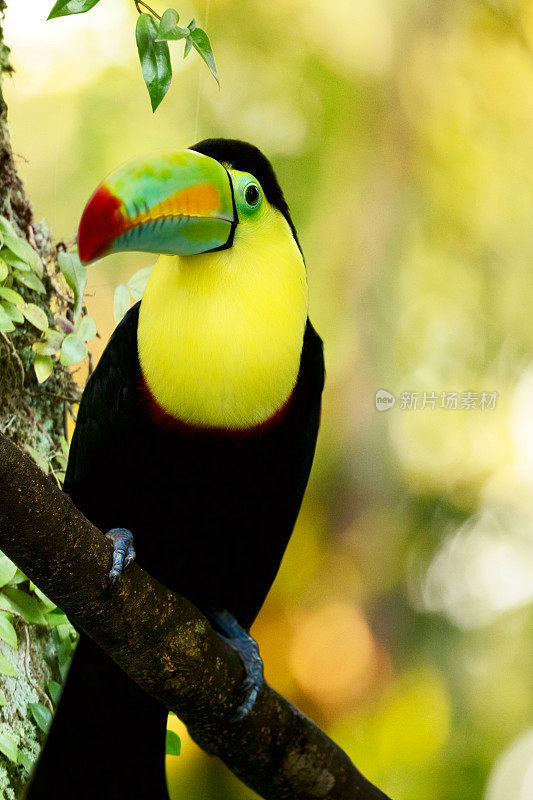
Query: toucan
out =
(195, 434)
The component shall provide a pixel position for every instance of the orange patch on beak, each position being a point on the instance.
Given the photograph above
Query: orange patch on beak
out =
(201, 200)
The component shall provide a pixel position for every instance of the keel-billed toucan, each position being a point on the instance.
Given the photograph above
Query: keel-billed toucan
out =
(196, 432)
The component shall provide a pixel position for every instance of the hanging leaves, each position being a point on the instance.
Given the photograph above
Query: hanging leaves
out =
(64, 8)
(169, 28)
(152, 34)
(155, 58)
(194, 37)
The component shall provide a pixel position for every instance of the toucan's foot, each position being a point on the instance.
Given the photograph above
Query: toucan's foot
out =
(248, 650)
(123, 552)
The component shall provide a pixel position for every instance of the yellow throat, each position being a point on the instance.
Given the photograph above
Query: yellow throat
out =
(220, 334)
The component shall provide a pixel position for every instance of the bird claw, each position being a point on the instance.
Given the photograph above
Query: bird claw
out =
(248, 651)
(252, 690)
(123, 551)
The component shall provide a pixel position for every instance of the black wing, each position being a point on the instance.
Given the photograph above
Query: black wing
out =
(108, 412)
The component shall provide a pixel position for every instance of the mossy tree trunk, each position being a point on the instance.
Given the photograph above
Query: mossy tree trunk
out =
(34, 417)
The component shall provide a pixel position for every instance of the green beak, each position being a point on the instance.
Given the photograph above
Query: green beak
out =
(178, 202)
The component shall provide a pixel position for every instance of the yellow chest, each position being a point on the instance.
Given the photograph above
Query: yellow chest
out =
(220, 335)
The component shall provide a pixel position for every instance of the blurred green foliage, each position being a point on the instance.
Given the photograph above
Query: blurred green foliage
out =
(401, 133)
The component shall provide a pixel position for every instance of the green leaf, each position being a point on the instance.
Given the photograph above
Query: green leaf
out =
(4, 270)
(26, 762)
(8, 747)
(24, 603)
(6, 323)
(43, 348)
(35, 315)
(73, 350)
(53, 339)
(63, 8)
(76, 277)
(169, 28)
(40, 460)
(7, 570)
(11, 295)
(121, 302)
(137, 282)
(21, 249)
(55, 691)
(7, 668)
(13, 312)
(64, 631)
(59, 476)
(41, 715)
(63, 651)
(47, 603)
(188, 46)
(173, 744)
(202, 45)
(154, 57)
(55, 618)
(6, 226)
(43, 366)
(3, 700)
(30, 280)
(8, 633)
(14, 262)
(19, 576)
(61, 460)
(87, 329)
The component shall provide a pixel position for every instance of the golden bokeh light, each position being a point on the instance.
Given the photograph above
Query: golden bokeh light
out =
(333, 656)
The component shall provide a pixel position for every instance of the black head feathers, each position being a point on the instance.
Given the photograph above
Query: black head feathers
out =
(248, 158)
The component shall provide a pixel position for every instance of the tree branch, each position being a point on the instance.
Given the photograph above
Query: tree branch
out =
(165, 644)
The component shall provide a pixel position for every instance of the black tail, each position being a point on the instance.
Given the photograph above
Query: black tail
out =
(107, 740)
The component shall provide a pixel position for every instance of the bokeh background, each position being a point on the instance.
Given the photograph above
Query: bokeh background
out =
(401, 620)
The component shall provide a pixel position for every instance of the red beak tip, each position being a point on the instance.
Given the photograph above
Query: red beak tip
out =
(100, 224)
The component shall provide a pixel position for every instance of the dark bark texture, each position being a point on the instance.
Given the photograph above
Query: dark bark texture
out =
(33, 416)
(165, 644)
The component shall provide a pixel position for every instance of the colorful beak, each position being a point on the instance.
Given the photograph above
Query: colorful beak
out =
(178, 202)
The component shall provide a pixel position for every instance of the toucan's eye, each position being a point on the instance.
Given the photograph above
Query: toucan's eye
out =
(252, 195)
